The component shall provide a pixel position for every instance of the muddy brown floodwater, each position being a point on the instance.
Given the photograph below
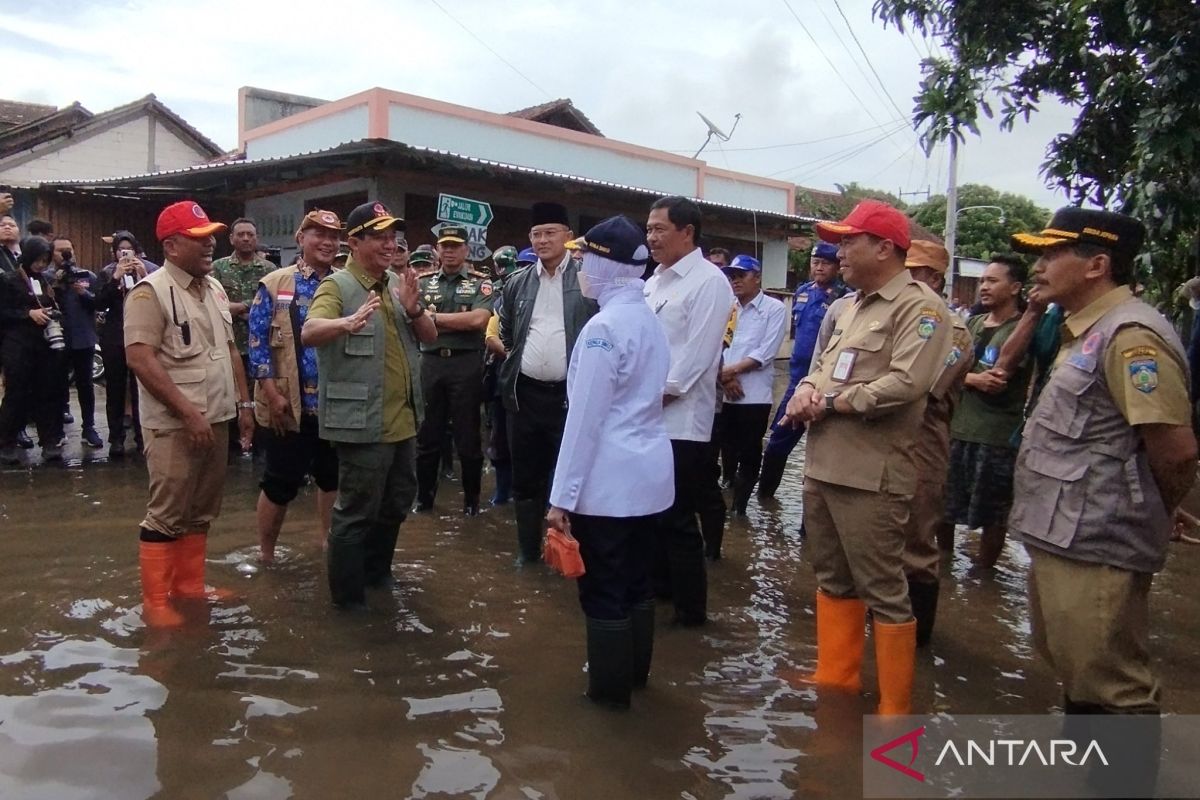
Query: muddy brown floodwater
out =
(465, 679)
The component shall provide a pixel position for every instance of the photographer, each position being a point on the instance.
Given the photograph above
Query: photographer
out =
(33, 347)
(74, 292)
(116, 279)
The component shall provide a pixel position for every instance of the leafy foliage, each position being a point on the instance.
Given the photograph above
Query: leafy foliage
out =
(982, 232)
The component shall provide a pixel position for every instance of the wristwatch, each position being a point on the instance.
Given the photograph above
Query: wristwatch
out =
(830, 397)
(246, 406)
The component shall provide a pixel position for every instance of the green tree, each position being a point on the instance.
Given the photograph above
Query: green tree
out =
(1130, 67)
(982, 232)
(831, 205)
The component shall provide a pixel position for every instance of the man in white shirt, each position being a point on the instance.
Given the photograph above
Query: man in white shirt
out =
(692, 300)
(748, 378)
(541, 314)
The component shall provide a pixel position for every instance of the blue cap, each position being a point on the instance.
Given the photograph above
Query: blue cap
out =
(826, 251)
(745, 263)
(527, 256)
(617, 239)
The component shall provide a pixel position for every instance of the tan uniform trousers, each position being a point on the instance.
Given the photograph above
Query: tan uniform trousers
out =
(1091, 623)
(186, 485)
(855, 541)
(921, 556)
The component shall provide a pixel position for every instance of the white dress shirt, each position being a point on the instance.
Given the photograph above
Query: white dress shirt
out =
(615, 459)
(761, 325)
(692, 300)
(545, 355)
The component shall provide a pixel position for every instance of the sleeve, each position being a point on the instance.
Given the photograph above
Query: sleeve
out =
(327, 302)
(958, 362)
(1147, 379)
(506, 314)
(88, 298)
(773, 333)
(259, 351)
(705, 328)
(597, 368)
(13, 306)
(144, 320)
(485, 296)
(108, 291)
(825, 333)
(493, 328)
(916, 359)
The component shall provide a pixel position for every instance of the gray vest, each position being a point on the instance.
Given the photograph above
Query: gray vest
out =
(351, 369)
(1083, 487)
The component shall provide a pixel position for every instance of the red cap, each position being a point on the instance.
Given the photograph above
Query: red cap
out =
(869, 216)
(188, 218)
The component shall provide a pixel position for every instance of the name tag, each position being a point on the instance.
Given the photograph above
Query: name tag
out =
(37, 288)
(844, 366)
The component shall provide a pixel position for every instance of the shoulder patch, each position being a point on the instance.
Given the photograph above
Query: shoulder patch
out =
(603, 344)
(928, 323)
(1092, 343)
(1143, 374)
(485, 288)
(1135, 352)
(932, 313)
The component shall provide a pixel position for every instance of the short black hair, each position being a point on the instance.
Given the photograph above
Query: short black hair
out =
(1018, 269)
(900, 251)
(244, 221)
(33, 249)
(715, 251)
(60, 236)
(682, 212)
(39, 227)
(1122, 269)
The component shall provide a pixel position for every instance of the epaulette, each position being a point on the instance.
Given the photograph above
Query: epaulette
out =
(482, 275)
(426, 274)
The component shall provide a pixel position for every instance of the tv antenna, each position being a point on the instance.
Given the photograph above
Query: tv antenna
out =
(713, 130)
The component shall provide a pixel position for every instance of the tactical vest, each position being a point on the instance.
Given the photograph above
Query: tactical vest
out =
(1083, 487)
(351, 368)
(282, 341)
(202, 373)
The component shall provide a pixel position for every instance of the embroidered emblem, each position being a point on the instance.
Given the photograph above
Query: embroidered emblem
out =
(1083, 362)
(926, 325)
(1143, 373)
(953, 357)
(990, 355)
(603, 344)
(1091, 344)
(1134, 352)
(485, 288)
(876, 325)
(802, 298)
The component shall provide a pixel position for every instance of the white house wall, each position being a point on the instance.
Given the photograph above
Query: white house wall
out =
(720, 189)
(278, 216)
(304, 137)
(171, 152)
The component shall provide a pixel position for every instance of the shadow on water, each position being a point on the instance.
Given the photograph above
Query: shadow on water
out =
(465, 678)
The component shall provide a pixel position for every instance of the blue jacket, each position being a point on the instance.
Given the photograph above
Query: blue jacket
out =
(808, 310)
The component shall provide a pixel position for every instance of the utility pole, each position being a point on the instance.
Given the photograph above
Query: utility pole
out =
(952, 213)
(918, 193)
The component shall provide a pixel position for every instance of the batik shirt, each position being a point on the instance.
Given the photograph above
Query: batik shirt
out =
(261, 312)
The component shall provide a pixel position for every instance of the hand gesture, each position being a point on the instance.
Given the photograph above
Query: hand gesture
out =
(993, 381)
(359, 319)
(408, 292)
(558, 518)
(40, 316)
(799, 407)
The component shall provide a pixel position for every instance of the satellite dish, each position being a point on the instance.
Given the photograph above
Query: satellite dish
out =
(713, 129)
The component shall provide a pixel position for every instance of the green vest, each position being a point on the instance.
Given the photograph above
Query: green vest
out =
(351, 367)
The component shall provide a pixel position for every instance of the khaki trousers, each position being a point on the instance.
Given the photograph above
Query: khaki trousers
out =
(921, 554)
(1091, 622)
(855, 541)
(186, 485)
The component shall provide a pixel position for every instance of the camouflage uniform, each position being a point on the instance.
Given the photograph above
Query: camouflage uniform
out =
(240, 282)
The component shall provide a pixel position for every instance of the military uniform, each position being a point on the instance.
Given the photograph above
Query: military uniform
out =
(452, 379)
(240, 282)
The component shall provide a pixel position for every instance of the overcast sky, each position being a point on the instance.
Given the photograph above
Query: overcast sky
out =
(639, 70)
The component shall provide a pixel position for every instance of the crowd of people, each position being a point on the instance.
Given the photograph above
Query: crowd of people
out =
(626, 378)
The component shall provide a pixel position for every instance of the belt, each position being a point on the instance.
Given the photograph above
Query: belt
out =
(447, 352)
(551, 385)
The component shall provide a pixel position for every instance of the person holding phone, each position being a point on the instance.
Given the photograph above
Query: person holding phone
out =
(114, 283)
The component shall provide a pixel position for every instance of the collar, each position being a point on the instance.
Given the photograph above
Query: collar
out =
(755, 302)
(179, 276)
(462, 273)
(307, 272)
(1078, 323)
(683, 266)
(891, 289)
(360, 275)
(541, 269)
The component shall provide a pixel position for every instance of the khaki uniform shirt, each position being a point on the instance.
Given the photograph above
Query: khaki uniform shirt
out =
(1147, 379)
(399, 418)
(883, 358)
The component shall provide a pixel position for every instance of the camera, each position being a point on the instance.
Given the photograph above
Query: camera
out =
(54, 331)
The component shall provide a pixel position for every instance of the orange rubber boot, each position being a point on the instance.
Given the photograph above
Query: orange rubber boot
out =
(190, 550)
(157, 563)
(895, 656)
(841, 634)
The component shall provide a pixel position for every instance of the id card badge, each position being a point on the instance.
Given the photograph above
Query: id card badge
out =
(36, 286)
(844, 366)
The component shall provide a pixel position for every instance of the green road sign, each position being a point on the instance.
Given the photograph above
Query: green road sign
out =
(463, 210)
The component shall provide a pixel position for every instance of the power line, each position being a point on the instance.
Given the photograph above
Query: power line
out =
(862, 50)
(837, 162)
(837, 155)
(846, 48)
(798, 144)
(490, 50)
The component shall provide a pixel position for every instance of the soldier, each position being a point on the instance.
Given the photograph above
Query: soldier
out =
(179, 343)
(809, 306)
(459, 303)
(927, 262)
(1107, 456)
(239, 275)
(864, 406)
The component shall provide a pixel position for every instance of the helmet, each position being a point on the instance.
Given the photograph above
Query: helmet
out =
(504, 260)
(526, 256)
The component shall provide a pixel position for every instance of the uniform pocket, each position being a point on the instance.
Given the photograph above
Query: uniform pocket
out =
(346, 405)
(192, 386)
(1061, 407)
(1050, 496)
(360, 344)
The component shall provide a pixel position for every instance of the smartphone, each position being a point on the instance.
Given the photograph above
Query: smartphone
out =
(124, 252)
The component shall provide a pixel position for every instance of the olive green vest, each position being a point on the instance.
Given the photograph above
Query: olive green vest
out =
(351, 369)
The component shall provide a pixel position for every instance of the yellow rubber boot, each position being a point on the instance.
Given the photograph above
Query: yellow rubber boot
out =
(895, 654)
(190, 551)
(157, 564)
(841, 632)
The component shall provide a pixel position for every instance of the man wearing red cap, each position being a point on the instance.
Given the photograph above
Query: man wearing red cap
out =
(864, 404)
(179, 343)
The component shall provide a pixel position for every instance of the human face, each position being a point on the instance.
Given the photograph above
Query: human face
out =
(9, 232)
(1060, 276)
(318, 246)
(860, 256)
(667, 243)
(400, 260)
(373, 250)
(61, 248)
(550, 242)
(746, 284)
(928, 276)
(822, 271)
(718, 259)
(244, 239)
(997, 291)
(193, 256)
(452, 255)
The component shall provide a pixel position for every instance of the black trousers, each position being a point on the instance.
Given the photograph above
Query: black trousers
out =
(79, 363)
(741, 432)
(33, 385)
(535, 432)
(679, 547)
(616, 555)
(119, 384)
(453, 389)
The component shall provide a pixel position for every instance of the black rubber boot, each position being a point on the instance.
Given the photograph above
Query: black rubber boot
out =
(924, 599)
(503, 482)
(610, 662)
(771, 475)
(427, 480)
(712, 528)
(642, 617)
(472, 481)
(529, 514)
(689, 587)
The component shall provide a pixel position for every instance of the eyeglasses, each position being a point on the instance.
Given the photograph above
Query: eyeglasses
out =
(537, 234)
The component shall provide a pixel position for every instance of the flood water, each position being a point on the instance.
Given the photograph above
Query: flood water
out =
(465, 679)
